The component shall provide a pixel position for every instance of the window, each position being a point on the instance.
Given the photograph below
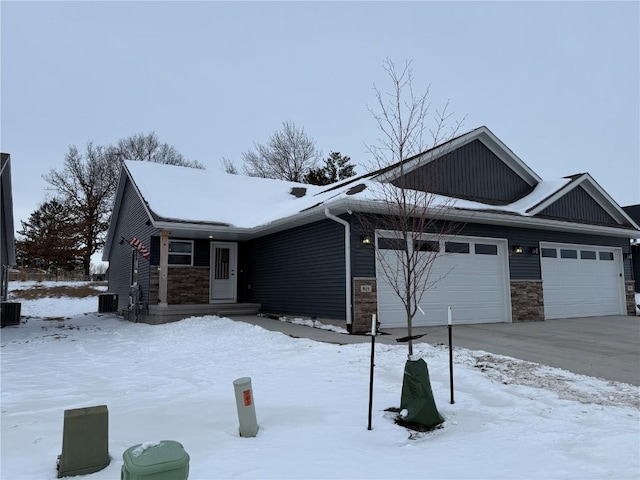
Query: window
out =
(427, 246)
(181, 252)
(550, 252)
(134, 267)
(606, 255)
(566, 253)
(587, 254)
(391, 243)
(456, 247)
(486, 249)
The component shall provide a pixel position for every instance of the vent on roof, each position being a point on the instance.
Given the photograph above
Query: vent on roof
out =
(298, 192)
(356, 189)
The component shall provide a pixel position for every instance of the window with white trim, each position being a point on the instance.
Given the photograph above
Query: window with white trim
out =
(181, 253)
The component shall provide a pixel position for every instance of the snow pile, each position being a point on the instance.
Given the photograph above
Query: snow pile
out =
(510, 419)
(143, 447)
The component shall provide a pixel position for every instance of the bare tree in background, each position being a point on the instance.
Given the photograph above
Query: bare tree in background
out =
(229, 167)
(148, 148)
(414, 219)
(288, 155)
(87, 183)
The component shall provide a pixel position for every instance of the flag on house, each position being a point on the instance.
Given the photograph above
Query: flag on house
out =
(138, 245)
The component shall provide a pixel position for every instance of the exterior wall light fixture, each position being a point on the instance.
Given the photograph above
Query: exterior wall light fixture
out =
(534, 250)
(365, 240)
(517, 249)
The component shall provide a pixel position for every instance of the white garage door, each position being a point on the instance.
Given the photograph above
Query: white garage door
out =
(470, 274)
(581, 280)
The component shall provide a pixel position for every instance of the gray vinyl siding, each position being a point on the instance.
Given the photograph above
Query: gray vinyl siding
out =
(578, 205)
(299, 272)
(131, 223)
(635, 260)
(521, 267)
(472, 172)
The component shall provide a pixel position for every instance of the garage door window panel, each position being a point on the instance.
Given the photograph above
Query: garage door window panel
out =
(486, 249)
(549, 252)
(566, 253)
(606, 256)
(385, 243)
(456, 247)
(587, 255)
(427, 246)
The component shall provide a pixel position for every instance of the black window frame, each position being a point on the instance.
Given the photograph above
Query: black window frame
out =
(180, 254)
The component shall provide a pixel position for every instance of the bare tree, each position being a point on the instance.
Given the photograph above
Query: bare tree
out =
(288, 155)
(148, 148)
(87, 183)
(414, 219)
(229, 167)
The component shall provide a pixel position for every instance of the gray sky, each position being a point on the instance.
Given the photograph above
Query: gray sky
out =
(557, 82)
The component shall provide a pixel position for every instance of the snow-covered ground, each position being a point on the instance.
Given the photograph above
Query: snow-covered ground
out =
(511, 419)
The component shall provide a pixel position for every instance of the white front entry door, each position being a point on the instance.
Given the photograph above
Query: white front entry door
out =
(224, 262)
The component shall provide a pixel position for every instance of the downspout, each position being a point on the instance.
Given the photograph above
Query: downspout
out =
(347, 261)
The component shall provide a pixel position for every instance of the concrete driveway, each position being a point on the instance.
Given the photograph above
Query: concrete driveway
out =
(606, 347)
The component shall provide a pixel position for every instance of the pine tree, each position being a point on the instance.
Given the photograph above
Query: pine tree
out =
(49, 238)
(336, 167)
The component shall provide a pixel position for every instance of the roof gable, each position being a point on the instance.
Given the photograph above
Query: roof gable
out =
(472, 171)
(583, 200)
(485, 148)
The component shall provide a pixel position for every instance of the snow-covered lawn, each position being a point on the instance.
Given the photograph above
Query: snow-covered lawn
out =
(511, 419)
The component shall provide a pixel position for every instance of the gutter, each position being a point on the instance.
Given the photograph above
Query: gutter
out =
(347, 261)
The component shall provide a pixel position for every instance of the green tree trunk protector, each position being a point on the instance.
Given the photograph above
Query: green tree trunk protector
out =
(417, 403)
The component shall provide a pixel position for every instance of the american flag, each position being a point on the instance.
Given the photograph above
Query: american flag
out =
(138, 245)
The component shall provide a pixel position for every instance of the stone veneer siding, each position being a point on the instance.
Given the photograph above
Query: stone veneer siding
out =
(527, 301)
(365, 304)
(629, 290)
(185, 286)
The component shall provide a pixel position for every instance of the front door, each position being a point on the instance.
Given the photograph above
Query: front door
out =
(223, 272)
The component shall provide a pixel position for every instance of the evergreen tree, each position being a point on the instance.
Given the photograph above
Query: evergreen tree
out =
(336, 167)
(49, 238)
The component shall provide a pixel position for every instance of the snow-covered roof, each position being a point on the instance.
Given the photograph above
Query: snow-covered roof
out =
(185, 195)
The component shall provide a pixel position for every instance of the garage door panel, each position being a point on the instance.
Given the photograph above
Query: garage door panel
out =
(582, 286)
(474, 285)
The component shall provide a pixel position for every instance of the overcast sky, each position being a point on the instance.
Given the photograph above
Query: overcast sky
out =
(558, 83)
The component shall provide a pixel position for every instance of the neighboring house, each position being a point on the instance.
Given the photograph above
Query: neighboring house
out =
(528, 249)
(634, 212)
(7, 240)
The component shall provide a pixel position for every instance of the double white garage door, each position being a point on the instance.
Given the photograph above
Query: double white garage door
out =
(471, 275)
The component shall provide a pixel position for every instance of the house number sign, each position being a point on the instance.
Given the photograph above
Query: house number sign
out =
(365, 288)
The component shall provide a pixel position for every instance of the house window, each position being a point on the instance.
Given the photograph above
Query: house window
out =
(427, 246)
(606, 255)
(549, 252)
(486, 249)
(134, 267)
(456, 247)
(566, 253)
(181, 252)
(587, 255)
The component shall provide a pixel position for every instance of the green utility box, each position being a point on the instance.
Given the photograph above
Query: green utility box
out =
(164, 460)
(85, 441)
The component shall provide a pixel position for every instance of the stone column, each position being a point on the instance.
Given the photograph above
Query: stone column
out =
(164, 268)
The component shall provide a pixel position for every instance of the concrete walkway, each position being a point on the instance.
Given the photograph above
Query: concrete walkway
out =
(604, 347)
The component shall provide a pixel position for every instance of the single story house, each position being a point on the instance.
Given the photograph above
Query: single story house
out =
(7, 240)
(188, 242)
